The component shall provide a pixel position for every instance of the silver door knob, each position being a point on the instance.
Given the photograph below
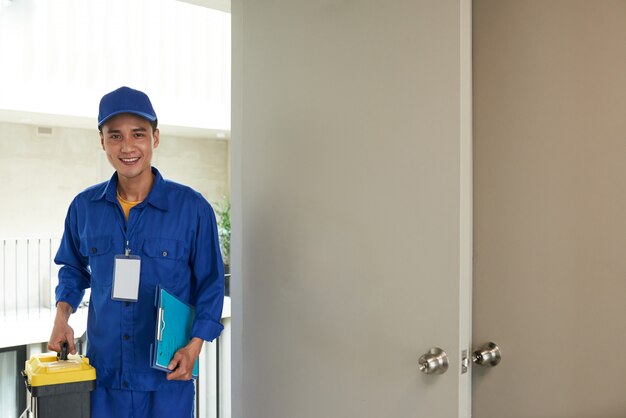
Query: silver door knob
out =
(487, 355)
(434, 362)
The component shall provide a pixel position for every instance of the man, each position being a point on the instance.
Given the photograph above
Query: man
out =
(122, 239)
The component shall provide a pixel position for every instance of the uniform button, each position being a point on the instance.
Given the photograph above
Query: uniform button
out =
(127, 304)
(93, 250)
(126, 336)
(164, 253)
(125, 384)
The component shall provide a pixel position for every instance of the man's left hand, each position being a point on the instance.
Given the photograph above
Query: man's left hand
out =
(183, 361)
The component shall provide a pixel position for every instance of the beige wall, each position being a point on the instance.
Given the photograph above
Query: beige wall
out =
(550, 236)
(40, 174)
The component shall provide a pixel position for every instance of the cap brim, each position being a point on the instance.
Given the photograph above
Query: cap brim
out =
(146, 116)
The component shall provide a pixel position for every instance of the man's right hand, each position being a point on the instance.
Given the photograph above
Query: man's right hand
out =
(62, 332)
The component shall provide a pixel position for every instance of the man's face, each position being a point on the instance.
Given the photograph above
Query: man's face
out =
(128, 141)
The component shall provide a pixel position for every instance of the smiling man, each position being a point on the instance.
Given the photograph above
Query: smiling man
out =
(163, 234)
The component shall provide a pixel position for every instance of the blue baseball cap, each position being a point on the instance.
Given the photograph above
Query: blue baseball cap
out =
(125, 100)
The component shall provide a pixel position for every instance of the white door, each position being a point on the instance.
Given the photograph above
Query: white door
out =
(351, 207)
(550, 230)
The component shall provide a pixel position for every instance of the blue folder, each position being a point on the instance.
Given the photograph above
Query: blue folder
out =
(173, 329)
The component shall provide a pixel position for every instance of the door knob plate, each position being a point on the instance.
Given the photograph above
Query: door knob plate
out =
(434, 362)
(487, 355)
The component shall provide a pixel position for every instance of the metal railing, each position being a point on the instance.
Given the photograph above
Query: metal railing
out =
(28, 277)
(214, 380)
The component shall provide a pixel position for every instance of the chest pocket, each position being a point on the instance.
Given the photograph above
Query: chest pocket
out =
(164, 249)
(165, 260)
(97, 246)
(99, 252)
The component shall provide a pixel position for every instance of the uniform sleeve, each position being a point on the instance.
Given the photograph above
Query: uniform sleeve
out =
(207, 293)
(74, 276)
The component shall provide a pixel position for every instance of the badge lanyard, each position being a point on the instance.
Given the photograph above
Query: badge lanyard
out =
(126, 273)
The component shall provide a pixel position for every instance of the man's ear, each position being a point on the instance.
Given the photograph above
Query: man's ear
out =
(102, 140)
(156, 138)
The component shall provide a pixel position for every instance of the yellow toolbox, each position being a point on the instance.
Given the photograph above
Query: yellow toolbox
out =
(59, 386)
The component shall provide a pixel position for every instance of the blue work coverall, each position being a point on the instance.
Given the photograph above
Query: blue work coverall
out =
(174, 232)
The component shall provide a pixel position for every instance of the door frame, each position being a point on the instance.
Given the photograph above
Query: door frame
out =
(466, 210)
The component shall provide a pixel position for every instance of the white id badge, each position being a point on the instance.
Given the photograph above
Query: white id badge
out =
(126, 278)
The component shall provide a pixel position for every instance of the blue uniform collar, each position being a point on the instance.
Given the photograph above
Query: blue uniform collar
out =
(157, 196)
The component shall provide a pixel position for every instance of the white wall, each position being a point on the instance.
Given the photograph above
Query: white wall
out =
(41, 174)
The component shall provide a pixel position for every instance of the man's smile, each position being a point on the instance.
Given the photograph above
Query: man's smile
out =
(129, 161)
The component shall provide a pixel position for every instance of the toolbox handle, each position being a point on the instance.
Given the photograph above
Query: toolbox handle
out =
(64, 349)
(25, 376)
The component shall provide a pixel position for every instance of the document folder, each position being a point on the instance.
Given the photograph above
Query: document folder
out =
(173, 329)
